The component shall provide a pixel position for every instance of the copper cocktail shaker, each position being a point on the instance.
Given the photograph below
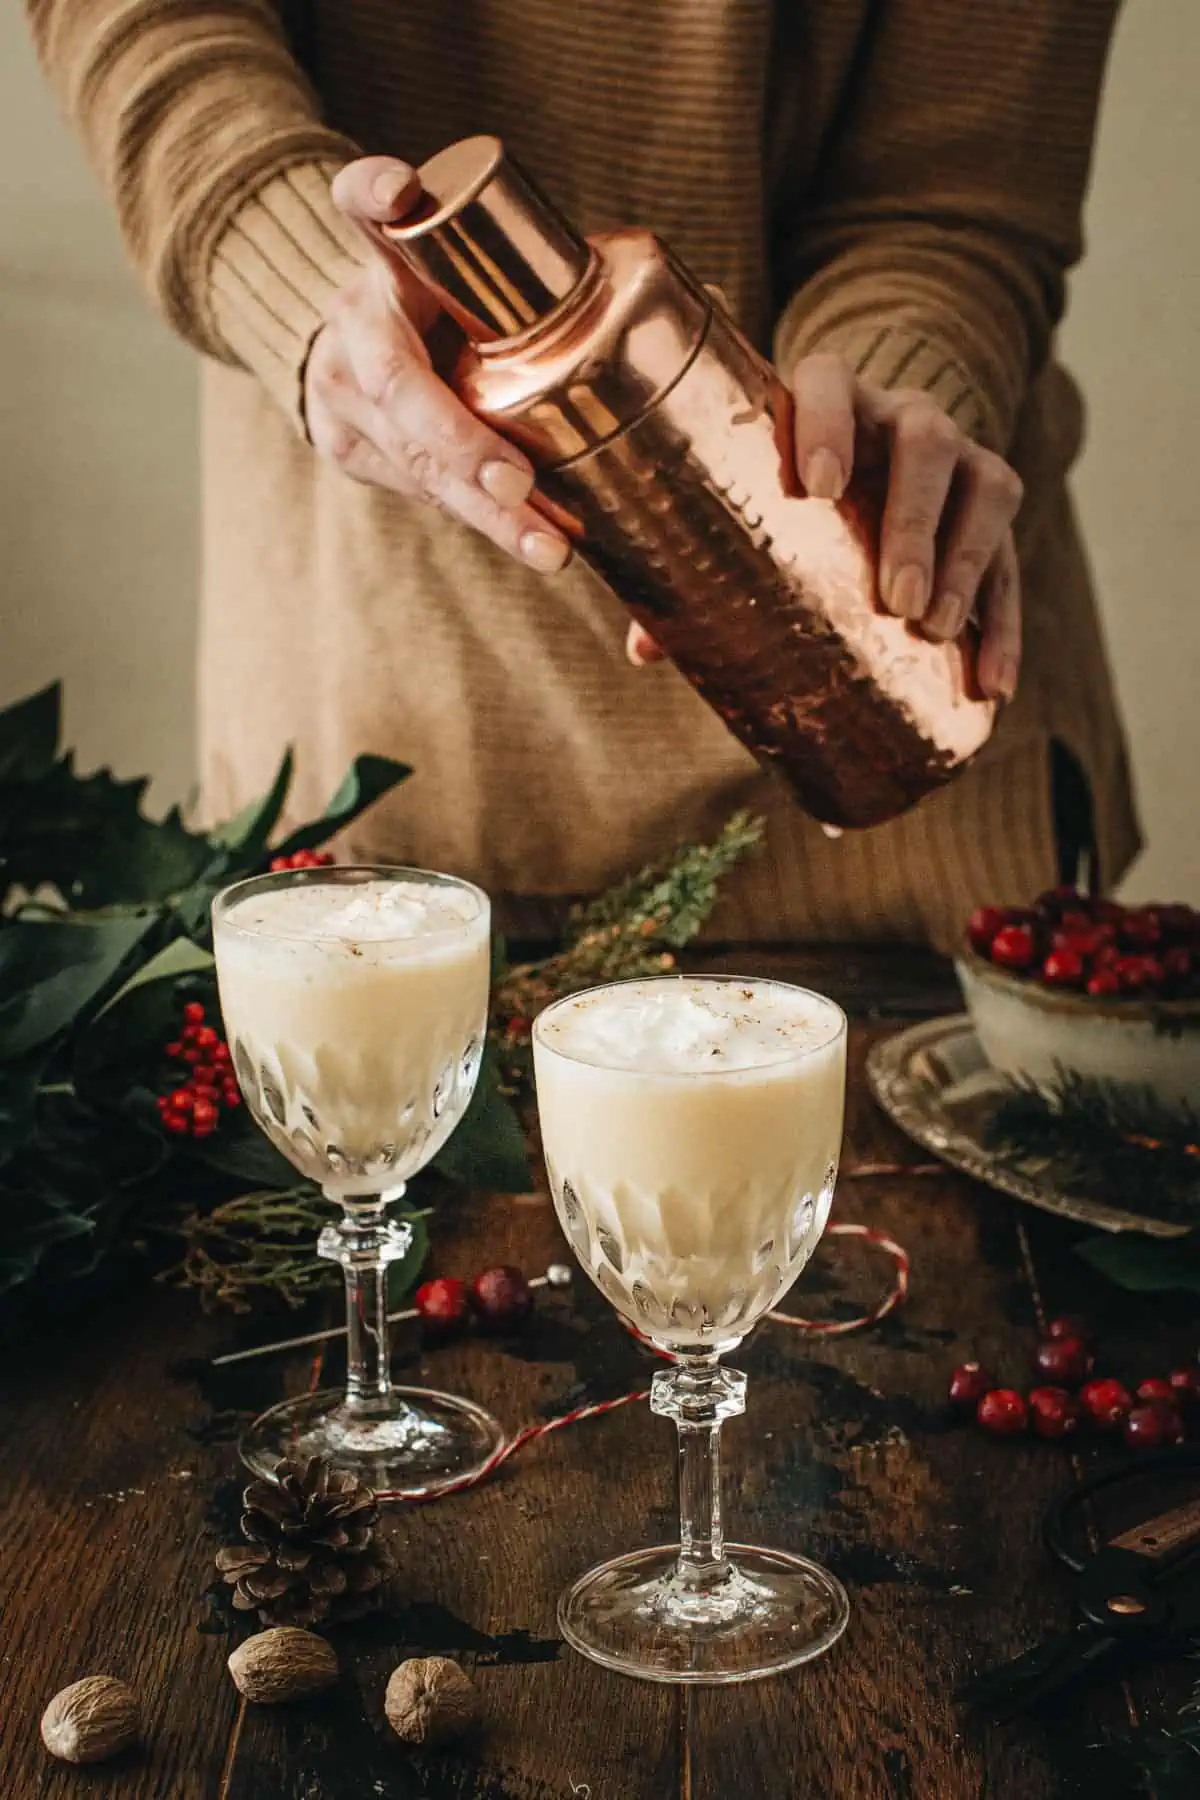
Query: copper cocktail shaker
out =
(661, 441)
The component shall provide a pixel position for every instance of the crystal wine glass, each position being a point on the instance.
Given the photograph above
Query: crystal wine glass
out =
(691, 1129)
(355, 1003)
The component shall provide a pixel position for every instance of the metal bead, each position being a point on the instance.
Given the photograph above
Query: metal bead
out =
(558, 1275)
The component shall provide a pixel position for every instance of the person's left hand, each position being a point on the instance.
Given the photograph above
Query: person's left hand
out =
(947, 547)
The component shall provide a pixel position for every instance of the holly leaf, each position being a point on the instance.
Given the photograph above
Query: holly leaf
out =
(402, 1275)
(240, 1149)
(29, 735)
(488, 1148)
(50, 972)
(18, 1102)
(1145, 1265)
(116, 1051)
(248, 833)
(368, 779)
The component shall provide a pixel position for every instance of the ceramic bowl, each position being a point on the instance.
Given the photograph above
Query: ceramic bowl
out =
(1037, 1034)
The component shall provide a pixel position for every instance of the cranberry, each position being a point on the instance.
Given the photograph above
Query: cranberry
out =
(1107, 1403)
(1057, 901)
(1014, 946)
(983, 925)
(1154, 1426)
(1070, 1325)
(1179, 923)
(968, 1384)
(442, 1303)
(1177, 964)
(1064, 1361)
(501, 1298)
(1156, 1389)
(1053, 1412)
(1185, 1386)
(1003, 1413)
(1104, 982)
(1142, 930)
(1137, 974)
(193, 1013)
(1063, 968)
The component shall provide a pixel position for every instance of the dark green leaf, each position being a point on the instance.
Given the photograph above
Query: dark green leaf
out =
(249, 832)
(488, 1149)
(239, 1148)
(29, 735)
(18, 1095)
(49, 973)
(1145, 1265)
(122, 1047)
(403, 1275)
(368, 779)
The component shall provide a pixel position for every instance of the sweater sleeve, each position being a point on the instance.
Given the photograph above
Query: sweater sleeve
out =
(933, 246)
(210, 144)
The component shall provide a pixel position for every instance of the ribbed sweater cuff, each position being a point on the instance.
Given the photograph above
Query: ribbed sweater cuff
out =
(276, 267)
(896, 355)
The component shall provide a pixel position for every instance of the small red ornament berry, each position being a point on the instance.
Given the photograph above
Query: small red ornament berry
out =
(442, 1303)
(1107, 1403)
(206, 1038)
(501, 1297)
(204, 1114)
(1070, 1325)
(983, 925)
(230, 1097)
(177, 1125)
(1154, 1426)
(968, 1384)
(1185, 1386)
(1157, 1389)
(1053, 1412)
(175, 1048)
(193, 1013)
(1104, 982)
(1063, 968)
(191, 1056)
(1063, 1361)
(1142, 929)
(1014, 947)
(1003, 1413)
(518, 1027)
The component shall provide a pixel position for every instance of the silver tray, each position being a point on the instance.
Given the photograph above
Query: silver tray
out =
(935, 1083)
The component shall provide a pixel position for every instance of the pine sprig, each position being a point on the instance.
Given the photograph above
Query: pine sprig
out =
(258, 1244)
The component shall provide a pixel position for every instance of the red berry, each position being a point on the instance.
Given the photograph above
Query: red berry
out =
(176, 1125)
(1014, 947)
(1063, 968)
(518, 1027)
(1157, 1389)
(193, 1013)
(1139, 973)
(206, 1038)
(222, 1055)
(1154, 1426)
(189, 1033)
(191, 1056)
(1064, 1361)
(1177, 964)
(501, 1297)
(1053, 1412)
(204, 1087)
(983, 925)
(175, 1048)
(1057, 901)
(1142, 929)
(1003, 1413)
(204, 1115)
(1069, 1325)
(1185, 1386)
(1104, 982)
(204, 1131)
(230, 1097)
(443, 1302)
(968, 1384)
(182, 1101)
(1107, 1403)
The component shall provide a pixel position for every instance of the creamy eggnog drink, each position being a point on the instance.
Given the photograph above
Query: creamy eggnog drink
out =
(355, 1004)
(691, 1127)
(691, 1132)
(356, 1015)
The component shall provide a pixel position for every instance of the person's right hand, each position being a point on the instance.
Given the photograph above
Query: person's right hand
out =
(375, 406)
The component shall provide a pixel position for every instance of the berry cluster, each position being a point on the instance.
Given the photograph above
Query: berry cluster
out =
(302, 859)
(193, 1109)
(1069, 940)
(498, 1299)
(1151, 1418)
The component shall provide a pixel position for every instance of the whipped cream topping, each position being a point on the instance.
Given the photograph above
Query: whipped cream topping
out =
(691, 1027)
(377, 911)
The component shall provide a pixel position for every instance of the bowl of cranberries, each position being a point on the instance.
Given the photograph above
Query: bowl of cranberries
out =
(1076, 985)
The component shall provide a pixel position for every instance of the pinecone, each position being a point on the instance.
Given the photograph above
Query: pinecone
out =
(312, 1554)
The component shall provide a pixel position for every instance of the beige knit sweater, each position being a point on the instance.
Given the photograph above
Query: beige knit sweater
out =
(899, 180)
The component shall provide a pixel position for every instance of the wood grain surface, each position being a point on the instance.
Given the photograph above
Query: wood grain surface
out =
(120, 1478)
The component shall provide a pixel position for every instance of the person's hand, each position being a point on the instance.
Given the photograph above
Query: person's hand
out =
(947, 548)
(376, 407)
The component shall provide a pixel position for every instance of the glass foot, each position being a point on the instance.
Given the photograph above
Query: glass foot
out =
(772, 1612)
(422, 1443)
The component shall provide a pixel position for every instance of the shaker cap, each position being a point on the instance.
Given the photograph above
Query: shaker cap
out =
(493, 249)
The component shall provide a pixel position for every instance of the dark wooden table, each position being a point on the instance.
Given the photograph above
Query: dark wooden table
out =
(119, 1477)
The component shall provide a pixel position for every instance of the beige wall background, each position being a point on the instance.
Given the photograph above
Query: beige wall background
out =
(98, 502)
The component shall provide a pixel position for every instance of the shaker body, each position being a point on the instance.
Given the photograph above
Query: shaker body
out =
(661, 440)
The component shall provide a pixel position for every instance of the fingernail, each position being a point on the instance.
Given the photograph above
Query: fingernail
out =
(908, 592)
(507, 485)
(388, 186)
(544, 553)
(824, 476)
(1006, 678)
(946, 617)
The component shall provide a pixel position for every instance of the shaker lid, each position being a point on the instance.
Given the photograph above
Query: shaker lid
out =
(498, 256)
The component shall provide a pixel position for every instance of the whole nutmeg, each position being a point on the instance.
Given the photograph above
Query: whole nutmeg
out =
(284, 1663)
(430, 1700)
(92, 1720)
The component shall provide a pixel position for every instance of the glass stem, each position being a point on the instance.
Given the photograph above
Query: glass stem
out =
(700, 1395)
(366, 1243)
